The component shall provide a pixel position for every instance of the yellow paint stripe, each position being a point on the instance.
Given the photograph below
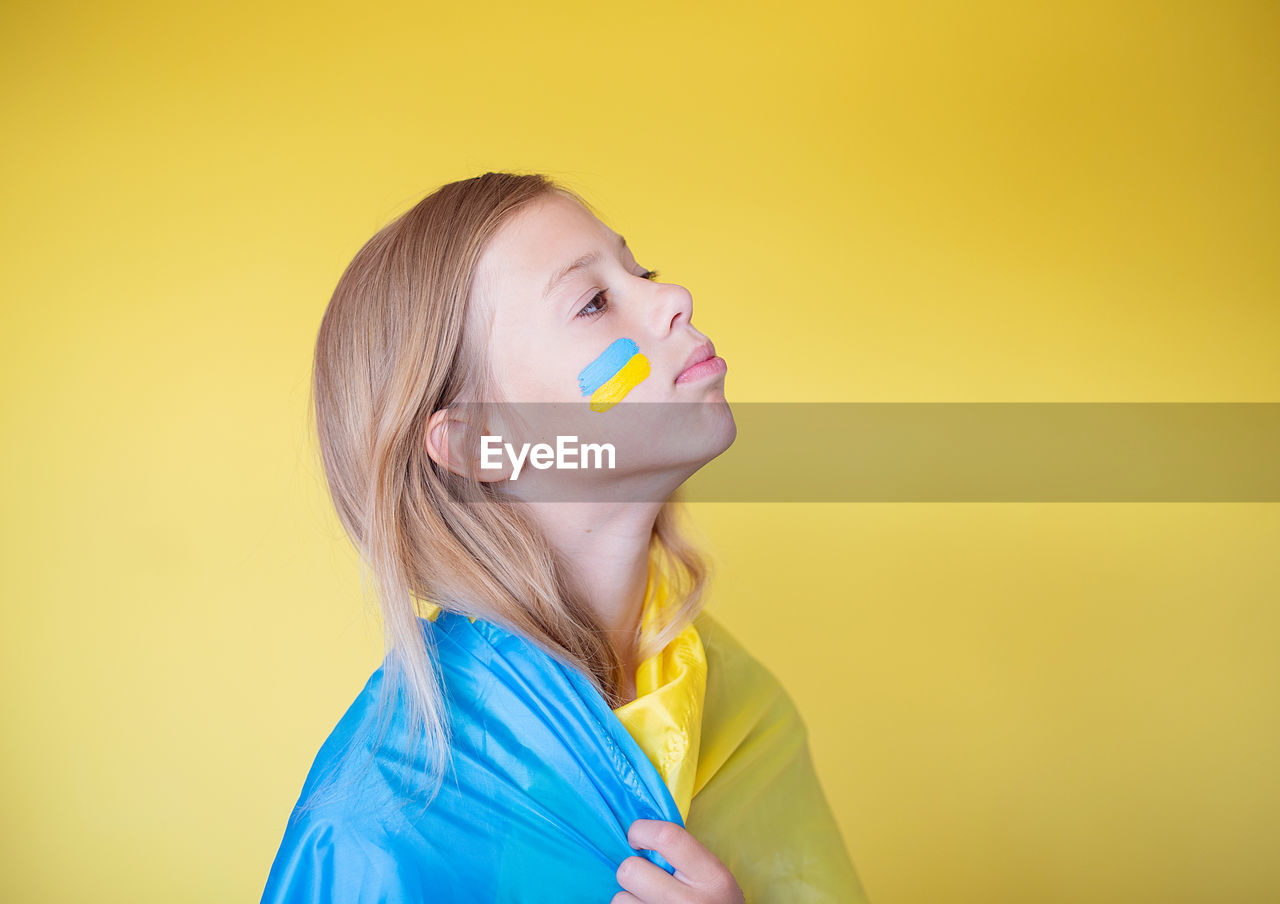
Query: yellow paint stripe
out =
(621, 383)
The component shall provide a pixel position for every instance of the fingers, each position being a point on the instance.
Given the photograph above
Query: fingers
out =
(693, 862)
(646, 883)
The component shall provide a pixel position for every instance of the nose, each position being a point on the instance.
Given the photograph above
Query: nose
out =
(674, 305)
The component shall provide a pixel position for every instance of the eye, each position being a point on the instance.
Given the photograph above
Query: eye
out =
(601, 300)
(597, 299)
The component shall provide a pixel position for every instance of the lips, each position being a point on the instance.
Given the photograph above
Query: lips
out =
(697, 356)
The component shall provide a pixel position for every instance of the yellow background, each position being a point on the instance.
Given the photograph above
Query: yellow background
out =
(878, 202)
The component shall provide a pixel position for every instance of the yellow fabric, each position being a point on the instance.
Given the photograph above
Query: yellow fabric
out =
(666, 716)
(432, 610)
(758, 804)
(734, 751)
(745, 781)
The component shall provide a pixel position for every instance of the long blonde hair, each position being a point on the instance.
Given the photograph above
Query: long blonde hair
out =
(396, 344)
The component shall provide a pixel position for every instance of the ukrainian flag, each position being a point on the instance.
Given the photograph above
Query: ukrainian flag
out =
(615, 373)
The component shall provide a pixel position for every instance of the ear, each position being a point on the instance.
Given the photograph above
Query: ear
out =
(446, 435)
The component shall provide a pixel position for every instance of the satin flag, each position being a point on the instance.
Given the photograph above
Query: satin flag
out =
(546, 779)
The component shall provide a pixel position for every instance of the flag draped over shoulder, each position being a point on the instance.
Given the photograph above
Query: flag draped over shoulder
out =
(546, 779)
(758, 804)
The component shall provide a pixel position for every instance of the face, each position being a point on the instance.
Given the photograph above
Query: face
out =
(592, 343)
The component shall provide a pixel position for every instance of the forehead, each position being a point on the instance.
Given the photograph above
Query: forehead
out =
(540, 239)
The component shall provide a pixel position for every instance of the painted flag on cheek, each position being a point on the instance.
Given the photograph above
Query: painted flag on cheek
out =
(617, 371)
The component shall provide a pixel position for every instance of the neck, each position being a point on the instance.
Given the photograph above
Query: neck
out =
(606, 546)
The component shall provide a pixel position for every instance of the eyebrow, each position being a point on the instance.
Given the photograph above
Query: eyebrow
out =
(585, 261)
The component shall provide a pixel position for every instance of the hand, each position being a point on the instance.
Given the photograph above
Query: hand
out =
(700, 876)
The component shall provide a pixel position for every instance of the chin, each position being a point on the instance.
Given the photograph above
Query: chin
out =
(695, 436)
(724, 429)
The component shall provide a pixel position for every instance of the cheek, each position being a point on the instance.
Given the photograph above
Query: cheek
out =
(533, 368)
(535, 378)
(617, 370)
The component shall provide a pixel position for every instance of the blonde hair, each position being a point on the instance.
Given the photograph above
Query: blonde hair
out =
(396, 344)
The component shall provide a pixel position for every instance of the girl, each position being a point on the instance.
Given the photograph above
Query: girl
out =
(556, 717)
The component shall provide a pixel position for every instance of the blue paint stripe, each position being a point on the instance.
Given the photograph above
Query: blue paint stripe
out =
(602, 369)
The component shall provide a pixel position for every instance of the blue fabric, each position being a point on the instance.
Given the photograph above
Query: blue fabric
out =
(544, 783)
(609, 362)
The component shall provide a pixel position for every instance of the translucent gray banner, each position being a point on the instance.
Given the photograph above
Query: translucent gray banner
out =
(908, 452)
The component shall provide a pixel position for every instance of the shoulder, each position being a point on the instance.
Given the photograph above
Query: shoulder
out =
(353, 834)
(334, 856)
(362, 771)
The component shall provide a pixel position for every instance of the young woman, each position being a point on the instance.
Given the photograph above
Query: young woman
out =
(556, 717)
